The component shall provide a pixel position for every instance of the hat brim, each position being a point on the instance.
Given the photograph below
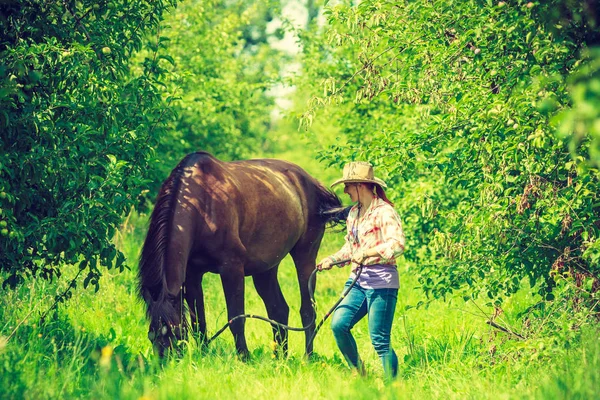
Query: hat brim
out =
(376, 181)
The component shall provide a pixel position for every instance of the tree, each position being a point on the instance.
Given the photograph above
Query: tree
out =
(77, 129)
(458, 104)
(220, 68)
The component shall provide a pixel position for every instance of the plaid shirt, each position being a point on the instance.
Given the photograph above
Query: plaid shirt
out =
(379, 228)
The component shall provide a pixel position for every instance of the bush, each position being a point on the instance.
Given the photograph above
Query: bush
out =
(76, 130)
(458, 104)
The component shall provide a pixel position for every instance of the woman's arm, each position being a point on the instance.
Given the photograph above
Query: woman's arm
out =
(392, 234)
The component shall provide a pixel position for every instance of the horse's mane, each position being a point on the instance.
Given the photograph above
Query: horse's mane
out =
(152, 278)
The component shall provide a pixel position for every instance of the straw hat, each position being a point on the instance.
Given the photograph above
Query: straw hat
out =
(359, 171)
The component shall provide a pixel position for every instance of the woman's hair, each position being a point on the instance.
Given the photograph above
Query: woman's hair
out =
(379, 190)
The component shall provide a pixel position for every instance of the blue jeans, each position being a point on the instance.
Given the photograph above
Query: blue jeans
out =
(379, 305)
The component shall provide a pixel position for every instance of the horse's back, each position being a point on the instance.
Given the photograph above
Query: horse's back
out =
(252, 186)
(255, 210)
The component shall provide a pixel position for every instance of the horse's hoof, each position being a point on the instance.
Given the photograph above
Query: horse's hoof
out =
(280, 354)
(200, 338)
(244, 355)
(312, 357)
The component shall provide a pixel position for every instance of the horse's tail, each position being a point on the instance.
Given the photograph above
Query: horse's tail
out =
(331, 210)
(152, 274)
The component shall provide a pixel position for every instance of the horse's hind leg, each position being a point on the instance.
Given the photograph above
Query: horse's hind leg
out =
(268, 288)
(195, 300)
(305, 259)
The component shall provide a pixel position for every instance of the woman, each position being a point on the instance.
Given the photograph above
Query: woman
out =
(374, 239)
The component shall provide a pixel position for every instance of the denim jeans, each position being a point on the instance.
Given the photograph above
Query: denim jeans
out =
(379, 305)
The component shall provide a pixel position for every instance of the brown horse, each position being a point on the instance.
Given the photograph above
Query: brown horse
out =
(235, 219)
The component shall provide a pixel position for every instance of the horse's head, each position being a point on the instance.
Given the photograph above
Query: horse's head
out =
(166, 325)
(164, 336)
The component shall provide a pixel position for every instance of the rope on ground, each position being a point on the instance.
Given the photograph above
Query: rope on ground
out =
(311, 286)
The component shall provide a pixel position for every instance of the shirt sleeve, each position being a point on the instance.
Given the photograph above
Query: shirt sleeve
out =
(392, 235)
(343, 254)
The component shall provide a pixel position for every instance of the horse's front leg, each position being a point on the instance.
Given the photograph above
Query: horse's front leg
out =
(195, 300)
(232, 279)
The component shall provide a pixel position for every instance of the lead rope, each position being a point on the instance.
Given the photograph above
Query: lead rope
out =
(332, 309)
(311, 286)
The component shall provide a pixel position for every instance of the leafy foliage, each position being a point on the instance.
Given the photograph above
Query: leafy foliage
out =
(218, 73)
(458, 104)
(100, 100)
(76, 130)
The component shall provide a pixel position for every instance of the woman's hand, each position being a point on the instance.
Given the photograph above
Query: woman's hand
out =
(324, 264)
(358, 257)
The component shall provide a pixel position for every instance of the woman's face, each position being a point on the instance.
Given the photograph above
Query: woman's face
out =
(351, 189)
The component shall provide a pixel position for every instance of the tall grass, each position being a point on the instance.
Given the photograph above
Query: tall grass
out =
(95, 346)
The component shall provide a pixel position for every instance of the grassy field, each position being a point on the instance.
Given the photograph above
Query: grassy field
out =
(95, 346)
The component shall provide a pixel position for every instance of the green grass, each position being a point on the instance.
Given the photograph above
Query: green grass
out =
(95, 346)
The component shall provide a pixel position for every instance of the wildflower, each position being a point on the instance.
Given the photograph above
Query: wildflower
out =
(105, 356)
